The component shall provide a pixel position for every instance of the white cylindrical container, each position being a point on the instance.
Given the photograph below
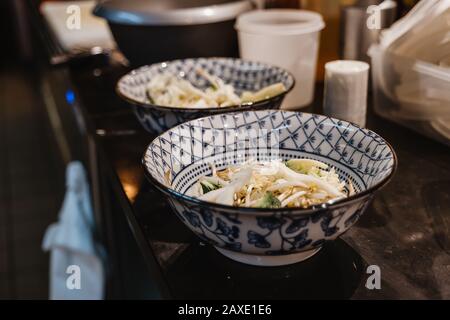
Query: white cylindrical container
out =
(345, 95)
(287, 38)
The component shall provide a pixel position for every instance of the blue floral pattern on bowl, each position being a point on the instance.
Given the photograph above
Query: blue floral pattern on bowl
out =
(176, 159)
(243, 75)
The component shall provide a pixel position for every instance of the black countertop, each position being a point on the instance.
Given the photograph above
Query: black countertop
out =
(405, 231)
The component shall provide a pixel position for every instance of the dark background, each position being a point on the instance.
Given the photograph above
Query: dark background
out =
(31, 177)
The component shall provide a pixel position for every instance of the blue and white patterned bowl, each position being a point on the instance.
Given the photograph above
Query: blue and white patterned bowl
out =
(177, 158)
(242, 74)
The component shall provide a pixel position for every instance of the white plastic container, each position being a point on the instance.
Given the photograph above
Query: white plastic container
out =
(286, 38)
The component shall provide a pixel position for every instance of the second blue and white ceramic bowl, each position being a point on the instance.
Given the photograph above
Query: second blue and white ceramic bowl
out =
(176, 159)
(243, 75)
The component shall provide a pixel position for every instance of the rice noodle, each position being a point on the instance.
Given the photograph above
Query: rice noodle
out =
(274, 184)
(170, 90)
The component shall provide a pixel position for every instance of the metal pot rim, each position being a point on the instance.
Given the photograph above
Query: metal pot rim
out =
(141, 13)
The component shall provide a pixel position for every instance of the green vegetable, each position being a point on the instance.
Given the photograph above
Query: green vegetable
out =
(208, 186)
(296, 167)
(269, 201)
(265, 93)
(149, 97)
(306, 166)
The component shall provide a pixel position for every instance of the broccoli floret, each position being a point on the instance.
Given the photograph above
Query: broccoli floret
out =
(269, 201)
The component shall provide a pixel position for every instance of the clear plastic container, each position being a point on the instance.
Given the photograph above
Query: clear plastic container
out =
(412, 92)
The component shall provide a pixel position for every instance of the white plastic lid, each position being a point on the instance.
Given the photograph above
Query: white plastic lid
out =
(280, 22)
(347, 66)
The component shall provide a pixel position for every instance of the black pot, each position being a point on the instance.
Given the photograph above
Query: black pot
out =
(153, 31)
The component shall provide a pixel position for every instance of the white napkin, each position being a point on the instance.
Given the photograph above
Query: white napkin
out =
(76, 268)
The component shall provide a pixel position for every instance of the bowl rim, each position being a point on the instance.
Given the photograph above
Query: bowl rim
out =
(243, 106)
(331, 205)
